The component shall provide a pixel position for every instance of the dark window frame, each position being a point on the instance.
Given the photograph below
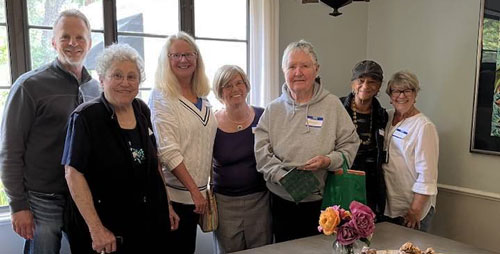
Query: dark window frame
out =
(18, 30)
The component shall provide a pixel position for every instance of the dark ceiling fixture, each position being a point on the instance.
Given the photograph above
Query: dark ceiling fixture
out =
(335, 4)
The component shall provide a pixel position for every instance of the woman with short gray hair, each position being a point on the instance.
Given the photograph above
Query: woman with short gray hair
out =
(306, 128)
(412, 144)
(119, 53)
(241, 193)
(119, 197)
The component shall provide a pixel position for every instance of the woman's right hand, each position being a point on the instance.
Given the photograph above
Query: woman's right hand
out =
(103, 240)
(174, 218)
(200, 202)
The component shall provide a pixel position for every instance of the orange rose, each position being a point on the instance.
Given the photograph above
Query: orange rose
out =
(329, 220)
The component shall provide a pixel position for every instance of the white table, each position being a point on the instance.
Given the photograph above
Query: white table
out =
(387, 236)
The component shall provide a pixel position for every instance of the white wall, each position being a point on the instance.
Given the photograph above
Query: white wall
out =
(340, 42)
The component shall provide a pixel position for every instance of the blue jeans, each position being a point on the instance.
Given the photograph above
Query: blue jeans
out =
(47, 212)
(425, 223)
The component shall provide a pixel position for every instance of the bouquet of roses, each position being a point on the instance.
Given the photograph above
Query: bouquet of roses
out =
(358, 224)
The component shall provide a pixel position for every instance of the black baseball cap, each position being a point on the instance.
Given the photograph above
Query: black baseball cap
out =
(367, 68)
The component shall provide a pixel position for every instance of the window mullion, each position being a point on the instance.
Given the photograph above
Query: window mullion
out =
(17, 30)
(248, 42)
(110, 25)
(186, 16)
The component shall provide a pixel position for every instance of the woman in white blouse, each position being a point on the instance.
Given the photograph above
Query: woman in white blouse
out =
(412, 144)
(185, 130)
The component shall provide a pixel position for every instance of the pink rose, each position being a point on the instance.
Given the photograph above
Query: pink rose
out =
(363, 219)
(347, 234)
(355, 206)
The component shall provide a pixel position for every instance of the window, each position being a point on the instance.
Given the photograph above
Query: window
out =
(145, 28)
(221, 35)
(223, 39)
(41, 17)
(4, 76)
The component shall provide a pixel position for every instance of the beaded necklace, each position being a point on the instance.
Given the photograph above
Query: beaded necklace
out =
(355, 121)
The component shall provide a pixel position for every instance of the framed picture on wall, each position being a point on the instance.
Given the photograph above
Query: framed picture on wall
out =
(485, 136)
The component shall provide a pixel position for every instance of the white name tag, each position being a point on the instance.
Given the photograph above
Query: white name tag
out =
(381, 132)
(400, 133)
(314, 121)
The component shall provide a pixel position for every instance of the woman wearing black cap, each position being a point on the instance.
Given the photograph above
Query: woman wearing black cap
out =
(370, 119)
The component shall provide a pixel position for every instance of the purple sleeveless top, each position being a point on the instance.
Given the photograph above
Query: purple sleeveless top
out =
(235, 172)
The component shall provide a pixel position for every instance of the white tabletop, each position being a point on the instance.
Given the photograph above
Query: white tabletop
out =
(387, 236)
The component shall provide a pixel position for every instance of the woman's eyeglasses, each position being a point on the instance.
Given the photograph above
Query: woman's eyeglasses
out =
(178, 56)
(238, 84)
(397, 93)
(120, 77)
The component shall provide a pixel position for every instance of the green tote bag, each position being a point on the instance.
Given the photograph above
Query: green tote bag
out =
(343, 186)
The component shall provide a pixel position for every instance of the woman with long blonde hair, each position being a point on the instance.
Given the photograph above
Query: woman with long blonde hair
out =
(185, 130)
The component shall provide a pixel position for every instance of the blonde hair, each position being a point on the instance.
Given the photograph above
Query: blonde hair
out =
(165, 79)
(403, 79)
(223, 75)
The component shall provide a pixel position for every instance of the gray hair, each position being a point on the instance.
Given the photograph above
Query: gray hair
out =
(303, 45)
(403, 79)
(165, 79)
(223, 75)
(73, 13)
(119, 53)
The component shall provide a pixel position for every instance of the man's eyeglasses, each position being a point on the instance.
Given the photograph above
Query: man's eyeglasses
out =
(178, 56)
(119, 77)
(397, 93)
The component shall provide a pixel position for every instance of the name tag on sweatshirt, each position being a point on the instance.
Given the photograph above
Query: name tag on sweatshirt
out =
(314, 121)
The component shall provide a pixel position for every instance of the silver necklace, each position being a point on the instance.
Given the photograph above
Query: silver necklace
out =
(239, 124)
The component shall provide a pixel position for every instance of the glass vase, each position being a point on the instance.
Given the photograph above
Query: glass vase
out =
(354, 248)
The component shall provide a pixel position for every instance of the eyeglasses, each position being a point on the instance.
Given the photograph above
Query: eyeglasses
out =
(238, 84)
(406, 92)
(178, 56)
(118, 77)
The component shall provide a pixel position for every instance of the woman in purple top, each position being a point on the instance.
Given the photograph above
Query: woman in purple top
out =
(241, 193)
